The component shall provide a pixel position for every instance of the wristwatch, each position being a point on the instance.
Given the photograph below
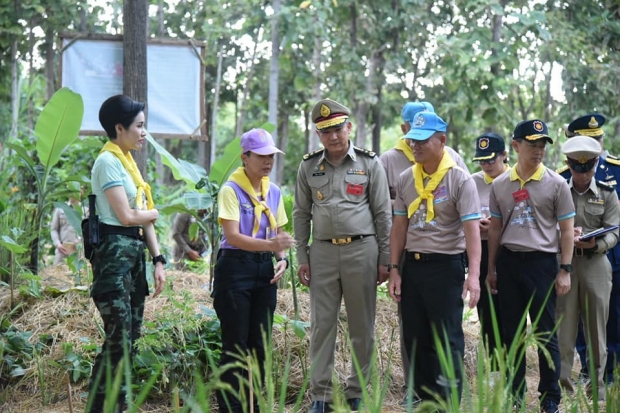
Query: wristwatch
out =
(391, 266)
(566, 267)
(159, 258)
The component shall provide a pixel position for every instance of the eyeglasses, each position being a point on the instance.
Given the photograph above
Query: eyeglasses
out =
(488, 161)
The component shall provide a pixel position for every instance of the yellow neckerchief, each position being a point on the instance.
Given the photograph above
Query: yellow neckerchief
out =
(130, 166)
(426, 192)
(404, 147)
(240, 178)
(488, 179)
(536, 176)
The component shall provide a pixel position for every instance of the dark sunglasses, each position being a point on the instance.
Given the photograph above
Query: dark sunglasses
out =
(581, 167)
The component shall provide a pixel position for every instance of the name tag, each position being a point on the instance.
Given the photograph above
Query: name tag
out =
(521, 195)
(355, 189)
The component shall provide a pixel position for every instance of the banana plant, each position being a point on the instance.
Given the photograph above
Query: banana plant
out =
(57, 127)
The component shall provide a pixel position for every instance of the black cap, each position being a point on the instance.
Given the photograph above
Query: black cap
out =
(588, 125)
(531, 131)
(488, 146)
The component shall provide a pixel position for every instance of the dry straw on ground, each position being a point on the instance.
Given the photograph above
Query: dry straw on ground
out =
(70, 316)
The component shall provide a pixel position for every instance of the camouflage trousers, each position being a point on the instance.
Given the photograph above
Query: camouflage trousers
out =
(119, 290)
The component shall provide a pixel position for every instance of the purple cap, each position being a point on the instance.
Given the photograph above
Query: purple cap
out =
(258, 141)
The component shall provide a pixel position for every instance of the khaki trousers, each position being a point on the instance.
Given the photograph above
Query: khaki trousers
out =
(337, 271)
(587, 298)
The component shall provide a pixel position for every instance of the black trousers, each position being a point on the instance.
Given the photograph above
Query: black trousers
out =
(522, 277)
(246, 315)
(432, 306)
(484, 306)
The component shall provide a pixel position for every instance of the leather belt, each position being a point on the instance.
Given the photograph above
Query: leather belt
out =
(348, 240)
(256, 256)
(529, 255)
(586, 252)
(133, 232)
(418, 256)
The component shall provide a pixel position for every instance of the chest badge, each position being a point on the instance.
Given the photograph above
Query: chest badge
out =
(319, 195)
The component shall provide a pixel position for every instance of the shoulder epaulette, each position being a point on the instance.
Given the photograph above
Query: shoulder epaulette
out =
(365, 152)
(605, 186)
(613, 157)
(612, 160)
(562, 169)
(313, 154)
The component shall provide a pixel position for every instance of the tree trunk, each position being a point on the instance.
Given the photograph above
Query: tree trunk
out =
(283, 134)
(246, 88)
(312, 139)
(49, 66)
(135, 20)
(216, 102)
(273, 86)
(161, 31)
(14, 90)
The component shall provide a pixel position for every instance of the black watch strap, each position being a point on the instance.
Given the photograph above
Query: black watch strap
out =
(159, 258)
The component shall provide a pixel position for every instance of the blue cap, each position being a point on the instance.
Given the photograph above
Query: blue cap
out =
(588, 125)
(424, 125)
(411, 108)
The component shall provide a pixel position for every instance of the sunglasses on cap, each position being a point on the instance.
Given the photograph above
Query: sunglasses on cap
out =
(582, 168)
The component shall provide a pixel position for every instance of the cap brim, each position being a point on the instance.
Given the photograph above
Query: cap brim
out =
(534, 138)
(483, 156)
(266, 150)
(419, 134)
(331, 123)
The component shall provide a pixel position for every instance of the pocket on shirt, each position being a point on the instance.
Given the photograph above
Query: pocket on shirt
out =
(594, 209)
(321, 190)
(356, 187)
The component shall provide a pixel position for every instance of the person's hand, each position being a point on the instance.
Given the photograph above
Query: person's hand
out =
(394, 286)
(562, 282)
(491, 281)
(194, 255)
(471, 285)
(282, 241)
(62, 249)
(160, 278)
(484, 225)
(591, 243)
(279, 269)
(382, 274)
(154, 215)
(303, 272)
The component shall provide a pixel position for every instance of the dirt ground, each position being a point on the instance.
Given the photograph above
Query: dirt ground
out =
(68, 315)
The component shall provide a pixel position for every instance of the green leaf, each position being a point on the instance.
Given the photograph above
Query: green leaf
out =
(178, 171)
(197, 200)
(8, 243)
(72, 216)
(58, 125)
(225, 164)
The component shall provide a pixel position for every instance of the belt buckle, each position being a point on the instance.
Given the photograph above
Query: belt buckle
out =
(341, 241)
(140, 232)
(579, 252)
(417, 256)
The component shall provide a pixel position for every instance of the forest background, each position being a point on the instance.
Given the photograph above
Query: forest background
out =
(485, 65)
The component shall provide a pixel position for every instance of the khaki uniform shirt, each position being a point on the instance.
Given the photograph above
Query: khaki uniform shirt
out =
(61, 230)
(530, 214)
(395, 162)
(342, 201)
(455, 201)
(484, 190)
(597, 208)
(180, 233)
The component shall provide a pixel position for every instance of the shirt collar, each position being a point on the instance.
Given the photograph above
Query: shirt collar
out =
(350, 153)
(593, 188)
(536, 176)
(487, 178)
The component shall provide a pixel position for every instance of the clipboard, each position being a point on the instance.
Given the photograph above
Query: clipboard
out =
(598, 232)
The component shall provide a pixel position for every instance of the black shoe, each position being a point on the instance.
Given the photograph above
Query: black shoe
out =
(320, 407)
(354, 403)
(549, 406)
(414, 401)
